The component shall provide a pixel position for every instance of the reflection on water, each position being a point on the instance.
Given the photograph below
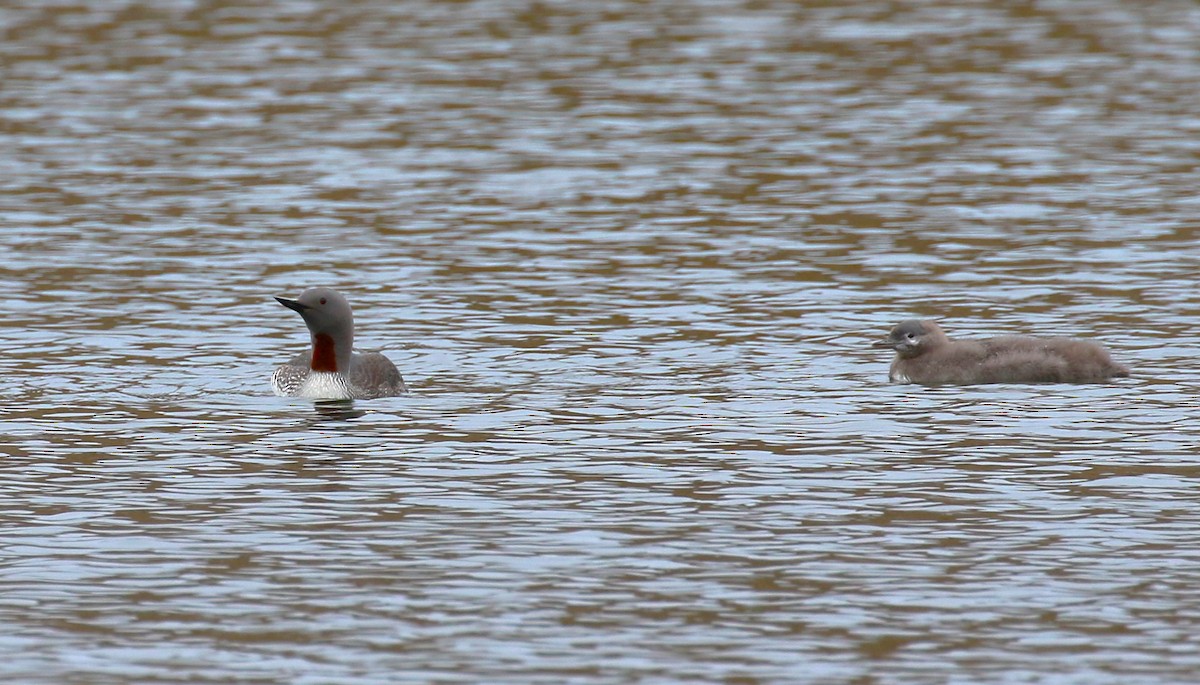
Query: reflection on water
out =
(337, 410)
(631, 258)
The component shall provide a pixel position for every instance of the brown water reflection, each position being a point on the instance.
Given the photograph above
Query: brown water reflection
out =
(631, 257)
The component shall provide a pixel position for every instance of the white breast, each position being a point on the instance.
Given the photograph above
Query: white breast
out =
(323, 385)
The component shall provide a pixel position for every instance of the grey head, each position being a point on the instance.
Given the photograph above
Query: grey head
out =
(329, 319)
(911, 338)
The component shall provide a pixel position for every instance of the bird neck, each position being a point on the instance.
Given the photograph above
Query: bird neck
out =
(330, 355)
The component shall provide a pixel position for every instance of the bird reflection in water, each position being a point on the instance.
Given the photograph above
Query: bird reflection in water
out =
(337, 410)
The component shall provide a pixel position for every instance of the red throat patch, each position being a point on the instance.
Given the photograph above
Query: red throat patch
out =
(324, 358)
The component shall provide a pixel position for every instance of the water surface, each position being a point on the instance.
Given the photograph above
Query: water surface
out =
(630, 258)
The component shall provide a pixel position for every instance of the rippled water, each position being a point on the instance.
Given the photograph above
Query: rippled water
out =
(630, 258)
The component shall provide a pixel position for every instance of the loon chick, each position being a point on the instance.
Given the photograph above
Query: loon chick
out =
(925, 355)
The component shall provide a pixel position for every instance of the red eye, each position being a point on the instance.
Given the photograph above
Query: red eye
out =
(322, 300)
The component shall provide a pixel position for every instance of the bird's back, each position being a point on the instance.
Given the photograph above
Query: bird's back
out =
(374, 375)
(1023, 359)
